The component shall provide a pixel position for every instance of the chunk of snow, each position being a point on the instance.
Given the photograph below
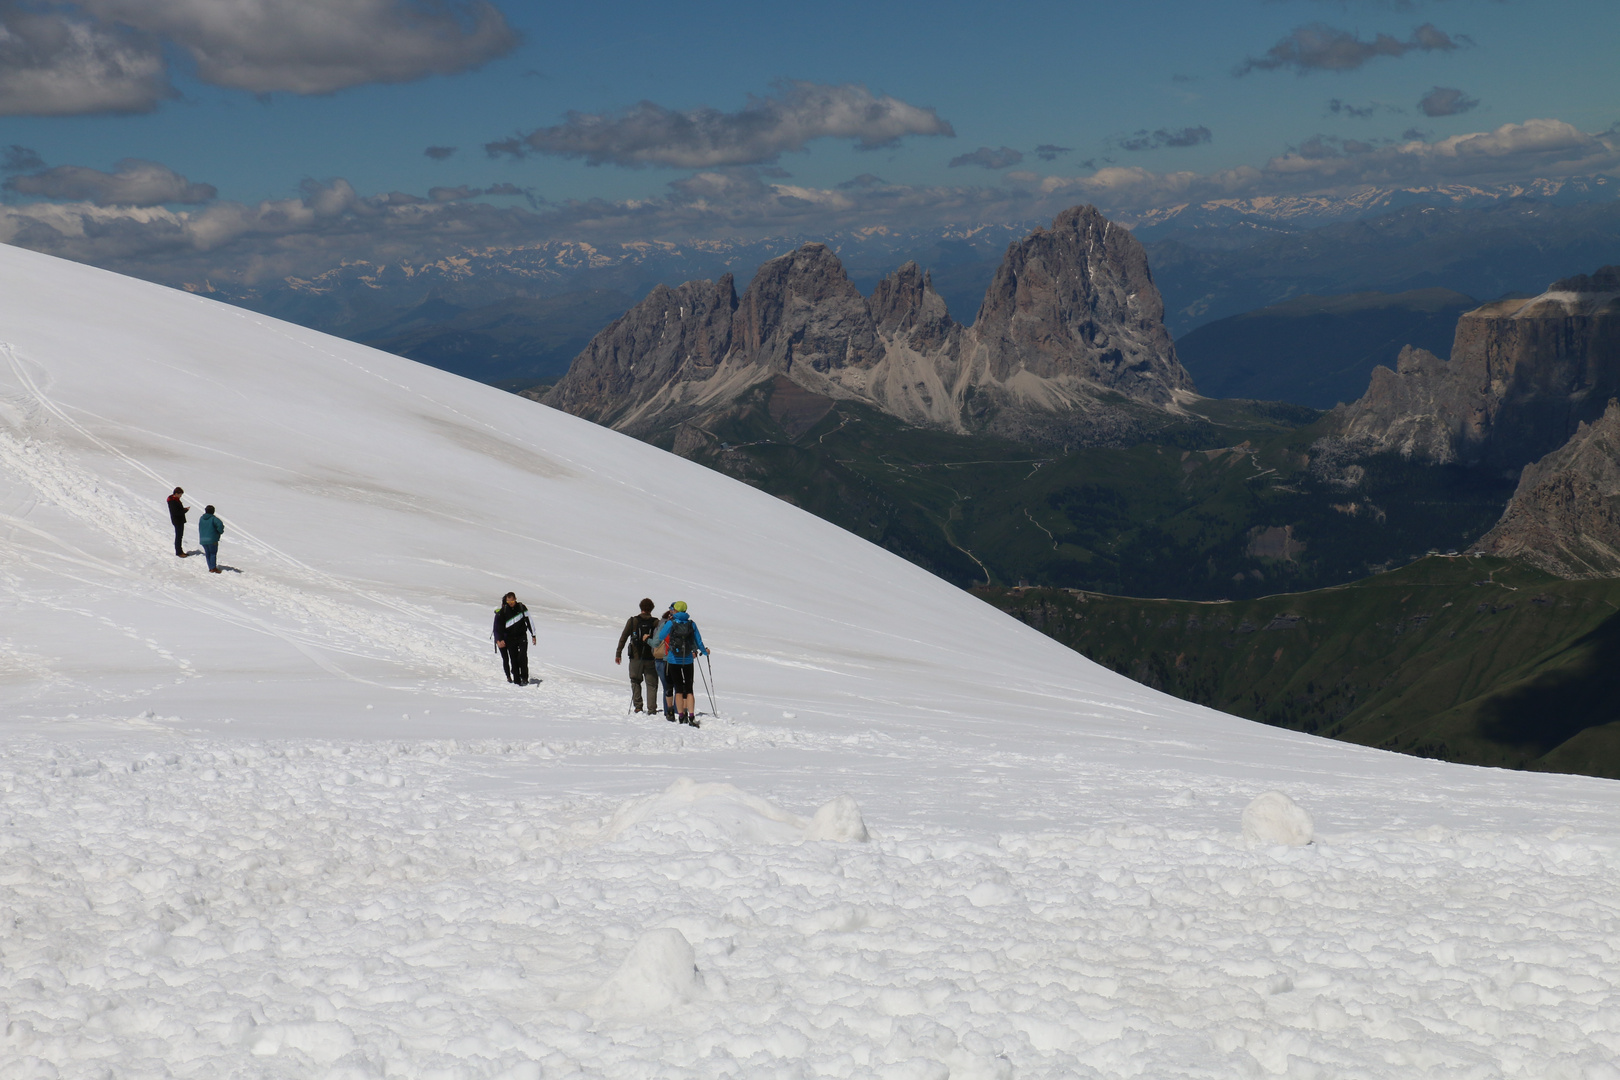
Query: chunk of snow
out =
(1274, 818)
(660, 973)
(324, 1041)
(839, 820)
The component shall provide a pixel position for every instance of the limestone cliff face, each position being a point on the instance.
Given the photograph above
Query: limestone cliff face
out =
(1077, 302)
(1565, 515)
(1409, 410)
(802, 312)
(674, 339)
(1522, 376)
(1071, 325)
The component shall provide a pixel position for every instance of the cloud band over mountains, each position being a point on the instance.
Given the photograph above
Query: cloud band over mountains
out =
(109, 56)
(795, 114)
(135, 183)
(331, 222)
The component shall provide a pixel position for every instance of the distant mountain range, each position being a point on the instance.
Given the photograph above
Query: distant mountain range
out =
(1227, 221)
(1210, 260)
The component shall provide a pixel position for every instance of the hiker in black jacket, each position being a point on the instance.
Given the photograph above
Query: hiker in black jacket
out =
(177, 515)
(499, 634)
(513, 632)
(637, 630)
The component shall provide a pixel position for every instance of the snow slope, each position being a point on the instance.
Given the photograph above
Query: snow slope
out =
(289, 820)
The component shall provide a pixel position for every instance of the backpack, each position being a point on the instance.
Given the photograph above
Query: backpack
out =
(682, 637)
(641, 637)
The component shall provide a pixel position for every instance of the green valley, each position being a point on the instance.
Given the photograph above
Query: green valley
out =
(1232, 502)
(1475, 660)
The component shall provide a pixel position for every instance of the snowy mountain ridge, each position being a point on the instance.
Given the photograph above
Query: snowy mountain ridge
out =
(288, 820)
(1301, 212)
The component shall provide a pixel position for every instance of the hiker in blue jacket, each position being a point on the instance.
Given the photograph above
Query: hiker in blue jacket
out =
(683, 645)
(209, 530)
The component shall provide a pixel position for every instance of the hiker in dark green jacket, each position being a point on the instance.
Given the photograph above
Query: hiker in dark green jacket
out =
(209, 530)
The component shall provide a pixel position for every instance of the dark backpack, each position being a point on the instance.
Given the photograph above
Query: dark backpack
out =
(681, 640)
(641, 633)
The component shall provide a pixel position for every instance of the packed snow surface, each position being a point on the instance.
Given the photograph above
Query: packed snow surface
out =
(290, 821)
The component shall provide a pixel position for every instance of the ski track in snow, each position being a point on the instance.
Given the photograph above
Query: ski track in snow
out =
(288, 822)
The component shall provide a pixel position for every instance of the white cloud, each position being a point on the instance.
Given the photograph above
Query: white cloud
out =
(136, 183)
(1319, 47)
(794, 115)
(318, 46)
(56, 64)
(107, 55)
(987, 158)
(1446, 101)
(1533, 148)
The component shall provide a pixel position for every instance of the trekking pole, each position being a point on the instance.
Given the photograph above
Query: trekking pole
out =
(708, 685)
(706, 688)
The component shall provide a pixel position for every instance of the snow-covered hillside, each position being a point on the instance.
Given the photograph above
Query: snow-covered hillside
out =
(290, 821)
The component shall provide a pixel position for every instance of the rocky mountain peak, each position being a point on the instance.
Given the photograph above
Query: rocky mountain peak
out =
(1072, 320)
(675, 335)
(1565, 515)
(802, 309)
(1605, 279)
(1078, 300)
(1522, 376)
(905, 304)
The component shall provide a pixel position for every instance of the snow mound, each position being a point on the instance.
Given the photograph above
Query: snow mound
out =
(660, 973)
(840, 821)
(716, 812)
(324, 1042)
(1274, 818)
(723, 813)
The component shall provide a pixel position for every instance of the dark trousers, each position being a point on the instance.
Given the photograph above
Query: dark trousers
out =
(180, 538)
(506, 663)
(644, 671)
(212, 551)
(663, 677)
(517, 654)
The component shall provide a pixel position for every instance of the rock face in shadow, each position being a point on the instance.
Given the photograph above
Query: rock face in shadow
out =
(1069, 346)
(1523, 375)
(1565, 516)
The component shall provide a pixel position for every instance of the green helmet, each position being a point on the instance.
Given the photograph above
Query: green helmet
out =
(679, 605)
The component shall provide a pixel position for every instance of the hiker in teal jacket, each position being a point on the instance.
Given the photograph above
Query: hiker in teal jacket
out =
(684, 645)
(209, 530)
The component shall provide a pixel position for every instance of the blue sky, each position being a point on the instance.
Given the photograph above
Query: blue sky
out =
(272, 101)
